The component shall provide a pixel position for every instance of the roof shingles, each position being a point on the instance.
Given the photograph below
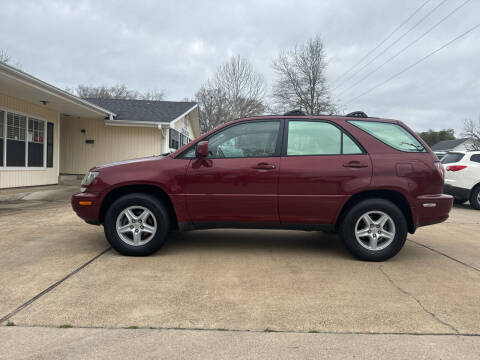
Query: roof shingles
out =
(144, 110)
(448, 144)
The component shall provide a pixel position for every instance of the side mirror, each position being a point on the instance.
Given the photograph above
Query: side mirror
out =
(201, 150)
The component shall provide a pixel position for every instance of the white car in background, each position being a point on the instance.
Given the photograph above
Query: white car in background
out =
(462, 176)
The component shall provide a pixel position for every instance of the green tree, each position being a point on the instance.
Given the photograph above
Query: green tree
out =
(431, 137)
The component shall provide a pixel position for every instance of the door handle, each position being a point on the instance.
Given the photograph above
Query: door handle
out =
(355, 164)
(263, 166)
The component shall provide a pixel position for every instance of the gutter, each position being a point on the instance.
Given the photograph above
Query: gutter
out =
(135, 123)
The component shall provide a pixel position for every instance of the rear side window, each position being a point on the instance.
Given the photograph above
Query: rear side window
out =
(475, 158)
(393, 135)
(450, 158)
(318, 138)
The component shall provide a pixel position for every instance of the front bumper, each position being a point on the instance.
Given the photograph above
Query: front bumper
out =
(87, 207)
(433, 209)
(456, 192)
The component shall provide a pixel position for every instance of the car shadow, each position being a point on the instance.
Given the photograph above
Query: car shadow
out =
(235, 241)
(465, 205)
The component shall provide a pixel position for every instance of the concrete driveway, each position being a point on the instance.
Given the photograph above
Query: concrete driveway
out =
(276, 293)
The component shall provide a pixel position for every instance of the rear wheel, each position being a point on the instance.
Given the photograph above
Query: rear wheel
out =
(374, 230)
(137, 225)
(475, 198)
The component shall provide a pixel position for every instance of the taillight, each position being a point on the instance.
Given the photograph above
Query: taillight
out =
(440, 169)
(456, 167)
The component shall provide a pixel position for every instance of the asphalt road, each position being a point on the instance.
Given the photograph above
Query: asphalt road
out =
(233, 293)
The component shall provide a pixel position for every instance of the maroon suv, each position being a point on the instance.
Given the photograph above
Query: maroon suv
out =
(372, 180)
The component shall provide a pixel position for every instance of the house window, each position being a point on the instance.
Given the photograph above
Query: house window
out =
(184, 140)
(36, 129)
(22, 140)
(16, 126)
(2, 135)
(174, 139)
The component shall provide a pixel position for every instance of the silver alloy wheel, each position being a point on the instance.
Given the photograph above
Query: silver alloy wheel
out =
(136, 225)
(375, 230)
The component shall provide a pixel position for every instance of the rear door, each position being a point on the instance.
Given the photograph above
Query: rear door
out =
(321, 166)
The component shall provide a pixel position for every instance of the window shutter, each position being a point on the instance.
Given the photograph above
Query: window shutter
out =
(50, 144)
(16, 127)
(2, 135)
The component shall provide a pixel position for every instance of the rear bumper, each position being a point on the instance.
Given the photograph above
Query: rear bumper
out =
(432, 209)
(87, 207)
(456, 192)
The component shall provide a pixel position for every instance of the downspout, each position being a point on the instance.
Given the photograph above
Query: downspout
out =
(164, 132)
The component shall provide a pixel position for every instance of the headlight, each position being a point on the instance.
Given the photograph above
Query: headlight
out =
(87, 180)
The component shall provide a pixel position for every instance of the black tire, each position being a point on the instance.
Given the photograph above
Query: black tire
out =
(475, 198)
(459, 201)
(349, 221)
(137, 199)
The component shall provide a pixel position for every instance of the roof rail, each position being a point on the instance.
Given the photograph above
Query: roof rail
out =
(294, 112)
(358, 114)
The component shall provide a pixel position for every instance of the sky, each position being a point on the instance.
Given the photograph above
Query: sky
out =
(175, 46)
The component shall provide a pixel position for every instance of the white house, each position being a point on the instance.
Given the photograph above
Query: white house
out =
(442, 147)
(45, 131)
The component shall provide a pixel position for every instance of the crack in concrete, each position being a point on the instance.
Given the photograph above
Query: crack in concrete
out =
(447, 256)
(266, 330)
(433, 315)
(51, 287)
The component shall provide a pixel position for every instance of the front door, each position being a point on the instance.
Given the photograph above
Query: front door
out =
(238, 181)
(321, 166)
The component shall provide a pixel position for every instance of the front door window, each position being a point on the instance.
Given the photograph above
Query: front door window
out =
(254, 139)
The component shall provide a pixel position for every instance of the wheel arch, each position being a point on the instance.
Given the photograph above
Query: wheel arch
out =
(472, 192)
(148, 189)
(477, 185)
(395, 197)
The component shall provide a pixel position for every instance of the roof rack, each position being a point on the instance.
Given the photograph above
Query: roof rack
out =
(294, 112)
(357, 114)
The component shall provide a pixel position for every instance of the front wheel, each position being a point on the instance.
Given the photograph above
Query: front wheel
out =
(137, 225)
(374, 230)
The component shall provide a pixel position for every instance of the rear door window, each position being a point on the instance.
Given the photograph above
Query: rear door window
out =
(452, 158)
(318, 138)
(349, 146)
(393, 135)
